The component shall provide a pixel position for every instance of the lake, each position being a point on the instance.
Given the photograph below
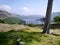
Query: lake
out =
(33, 21)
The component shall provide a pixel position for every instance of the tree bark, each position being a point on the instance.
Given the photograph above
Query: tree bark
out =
(48, 16)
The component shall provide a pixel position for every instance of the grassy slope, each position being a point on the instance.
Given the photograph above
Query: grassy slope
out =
(30, 37)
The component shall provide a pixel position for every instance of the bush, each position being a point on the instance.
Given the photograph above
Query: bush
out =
(32, 25)
(1, 21)
(57, 19)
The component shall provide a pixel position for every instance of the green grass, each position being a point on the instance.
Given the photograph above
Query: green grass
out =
(30, 37)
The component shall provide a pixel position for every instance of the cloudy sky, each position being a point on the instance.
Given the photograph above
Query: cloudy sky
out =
(28, 7)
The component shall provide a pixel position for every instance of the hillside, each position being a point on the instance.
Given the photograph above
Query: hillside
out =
(8, 27)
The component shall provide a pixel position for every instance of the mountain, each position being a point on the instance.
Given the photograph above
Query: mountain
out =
(4, 14)
(30, 16)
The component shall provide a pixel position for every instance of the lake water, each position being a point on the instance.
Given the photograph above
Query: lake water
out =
(33, 21)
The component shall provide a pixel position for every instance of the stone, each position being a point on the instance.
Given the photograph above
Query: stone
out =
(22, 43)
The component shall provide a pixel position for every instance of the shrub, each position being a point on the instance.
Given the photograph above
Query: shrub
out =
(1, 21)
(32, 25)
(57, 19)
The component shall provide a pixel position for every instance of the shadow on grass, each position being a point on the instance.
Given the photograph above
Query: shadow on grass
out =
(56, 34)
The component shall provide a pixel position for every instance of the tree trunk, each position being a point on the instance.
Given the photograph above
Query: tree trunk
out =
(48, 16)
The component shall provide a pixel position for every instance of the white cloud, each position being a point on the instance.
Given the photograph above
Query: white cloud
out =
(25, 10)
(6, 8)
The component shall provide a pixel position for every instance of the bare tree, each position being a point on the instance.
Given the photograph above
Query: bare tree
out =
(48, 16)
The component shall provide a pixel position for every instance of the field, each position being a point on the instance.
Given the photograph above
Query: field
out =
(14, 34)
